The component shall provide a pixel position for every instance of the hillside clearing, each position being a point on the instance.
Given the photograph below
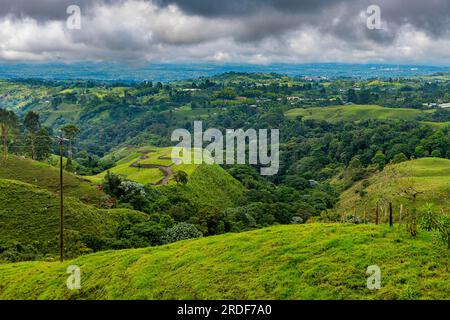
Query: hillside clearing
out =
(353, 113)
(429, 176)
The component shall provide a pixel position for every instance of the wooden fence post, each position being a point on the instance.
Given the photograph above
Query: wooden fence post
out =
(391, 222)
(401, 213)
(407, 219)
(376, 214)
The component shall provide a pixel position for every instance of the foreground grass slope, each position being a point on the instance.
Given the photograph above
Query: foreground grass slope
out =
(30, 215)
(314, 261)
(428, 176)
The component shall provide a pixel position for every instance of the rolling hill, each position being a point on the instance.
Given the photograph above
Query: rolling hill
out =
(313, 261)
(30, 215)
(146, 165)
(208, 185)
(360, 113)
(429, 176)
(46, 177)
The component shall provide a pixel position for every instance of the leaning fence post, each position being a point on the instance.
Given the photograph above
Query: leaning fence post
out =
(376, 214)
(391, 222)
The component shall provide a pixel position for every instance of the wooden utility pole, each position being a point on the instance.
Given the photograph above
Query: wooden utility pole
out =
(61, 194)
(61, 140)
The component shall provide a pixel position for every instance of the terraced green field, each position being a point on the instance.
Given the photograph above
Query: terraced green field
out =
(141, 165)
(314, 261)
(145, 155)
(208, 185)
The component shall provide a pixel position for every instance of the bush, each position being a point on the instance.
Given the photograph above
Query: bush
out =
(182, 231)
(399, 158)
(431, 221)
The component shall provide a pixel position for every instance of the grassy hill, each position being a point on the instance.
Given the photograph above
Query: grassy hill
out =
(360, 112)
(210, 185)
(207, 184)
(46, 176)
(430, 176)
(315, 261)
(142, 164)
(30, 215)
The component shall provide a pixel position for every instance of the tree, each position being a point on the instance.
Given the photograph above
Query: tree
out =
(399, 158)
(9, 123)
(32, 126)
(436, 153)
(351, 96)
(181, 177)
(379, 160)
(70, 131)
(420, 152)
(43, 144)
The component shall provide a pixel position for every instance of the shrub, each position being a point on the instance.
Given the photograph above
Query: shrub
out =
(182, 231)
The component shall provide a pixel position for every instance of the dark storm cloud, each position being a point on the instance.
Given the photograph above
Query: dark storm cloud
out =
(432, 16)
(43, 10)
(264, 30)
(220, 8)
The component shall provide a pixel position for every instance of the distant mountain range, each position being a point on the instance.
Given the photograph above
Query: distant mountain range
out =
(110, 72)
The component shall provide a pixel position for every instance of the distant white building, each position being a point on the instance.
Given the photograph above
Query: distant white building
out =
(445, 105)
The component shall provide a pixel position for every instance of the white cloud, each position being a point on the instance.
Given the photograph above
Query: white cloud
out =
(139, 31)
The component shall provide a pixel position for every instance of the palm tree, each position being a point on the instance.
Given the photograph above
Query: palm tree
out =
(9, 123)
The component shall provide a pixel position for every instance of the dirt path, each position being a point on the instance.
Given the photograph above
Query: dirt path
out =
(166, 170)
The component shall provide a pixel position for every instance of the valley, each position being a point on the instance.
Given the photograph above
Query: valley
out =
(143, 226)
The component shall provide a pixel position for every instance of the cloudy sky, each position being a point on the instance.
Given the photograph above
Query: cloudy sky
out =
(244, 31)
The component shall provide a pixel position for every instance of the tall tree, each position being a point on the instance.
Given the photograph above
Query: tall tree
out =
(9, 123)
(32, 126)
(70, 131)
(43, 144)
